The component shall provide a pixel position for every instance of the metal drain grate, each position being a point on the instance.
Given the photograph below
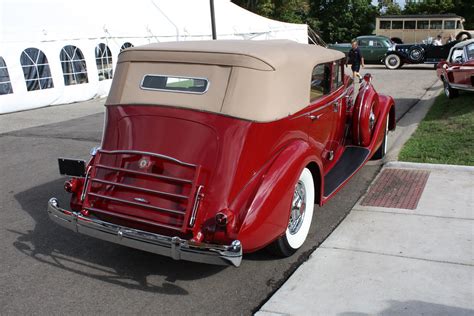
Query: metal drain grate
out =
(397, 188)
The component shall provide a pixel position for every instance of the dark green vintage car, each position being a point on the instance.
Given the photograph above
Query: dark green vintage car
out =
(373, 48)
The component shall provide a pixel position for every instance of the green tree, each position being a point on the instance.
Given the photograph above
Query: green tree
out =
(429, 7)
(342, 20)
(334, 20)
(389, 7)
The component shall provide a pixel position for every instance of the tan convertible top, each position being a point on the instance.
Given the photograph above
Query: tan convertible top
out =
(254, 80)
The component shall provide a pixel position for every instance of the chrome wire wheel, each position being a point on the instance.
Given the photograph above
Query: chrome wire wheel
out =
(298, 208)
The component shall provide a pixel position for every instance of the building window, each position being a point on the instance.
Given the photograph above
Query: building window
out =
(410, 25)
(126, 45)
(385, 25)
(103, 59)
(36, 69)
(320, 81)
(422, 24)
(5, 83)
(449, 25)
(74, 65)
(397, 25)
(436, 25)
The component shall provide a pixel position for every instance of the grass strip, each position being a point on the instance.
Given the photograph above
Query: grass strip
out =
(446, 134)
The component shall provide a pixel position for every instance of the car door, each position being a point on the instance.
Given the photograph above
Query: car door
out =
(379, 50)
(365, 49)
(455, 74)
(323, 112)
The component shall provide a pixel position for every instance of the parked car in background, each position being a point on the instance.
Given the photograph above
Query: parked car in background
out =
(401, 54)
(457, 72)
(373, 48)
(212, 149)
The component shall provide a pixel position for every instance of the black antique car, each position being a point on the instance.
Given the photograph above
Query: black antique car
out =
(401, 54)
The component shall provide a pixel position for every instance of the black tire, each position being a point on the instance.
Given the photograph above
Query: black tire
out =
(450, 92)
(463, 36)
(382, 150)
(300, 217)
(393, 61)
(416, 54)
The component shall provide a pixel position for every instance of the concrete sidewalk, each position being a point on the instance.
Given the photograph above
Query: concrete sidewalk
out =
(396, 253)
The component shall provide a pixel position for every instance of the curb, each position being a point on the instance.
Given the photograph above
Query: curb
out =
(429, 166)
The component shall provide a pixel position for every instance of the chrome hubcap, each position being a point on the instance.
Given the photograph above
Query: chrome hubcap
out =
(371, 119)
(392, 61)
(298, 207)
(446, 89)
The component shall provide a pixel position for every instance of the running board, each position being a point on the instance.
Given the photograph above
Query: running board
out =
(351, 160)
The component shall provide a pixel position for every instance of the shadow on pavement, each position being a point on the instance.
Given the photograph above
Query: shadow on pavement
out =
(59, 247)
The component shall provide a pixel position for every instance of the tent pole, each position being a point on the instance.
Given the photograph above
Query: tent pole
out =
(213, 20)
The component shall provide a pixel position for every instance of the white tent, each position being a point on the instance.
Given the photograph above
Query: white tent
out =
(54, 52)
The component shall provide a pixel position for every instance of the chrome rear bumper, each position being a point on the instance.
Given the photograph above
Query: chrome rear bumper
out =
(174, 247)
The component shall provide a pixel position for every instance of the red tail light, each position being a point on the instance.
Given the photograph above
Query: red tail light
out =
(70, 185)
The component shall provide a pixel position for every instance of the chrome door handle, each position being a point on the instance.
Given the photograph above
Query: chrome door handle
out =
(314, 117)
(336, 106)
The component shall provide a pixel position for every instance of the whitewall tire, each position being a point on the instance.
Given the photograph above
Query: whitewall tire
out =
(301, 214)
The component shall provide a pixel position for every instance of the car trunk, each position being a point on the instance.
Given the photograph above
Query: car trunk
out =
(149, 170)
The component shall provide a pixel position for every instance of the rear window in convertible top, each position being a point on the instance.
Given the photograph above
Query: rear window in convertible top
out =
(175, 84)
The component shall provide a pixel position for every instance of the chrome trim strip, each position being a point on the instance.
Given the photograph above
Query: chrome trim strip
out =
(208, 84)
(462, 86)
(86, 182)
(199, 196)
(343, 94)
(174, 247)
(153, 175)
(137, 152)
(131, 187)
(132, 219)
(156, 208)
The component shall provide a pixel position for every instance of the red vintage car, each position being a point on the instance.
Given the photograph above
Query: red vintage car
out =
(215, 148)
(457, 72)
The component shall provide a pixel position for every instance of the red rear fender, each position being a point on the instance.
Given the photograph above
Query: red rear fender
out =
(265, 217)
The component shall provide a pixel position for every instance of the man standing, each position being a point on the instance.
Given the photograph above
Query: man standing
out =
(354, 57)
(438, 41)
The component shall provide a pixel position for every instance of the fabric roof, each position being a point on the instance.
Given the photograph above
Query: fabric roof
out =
(253, 80)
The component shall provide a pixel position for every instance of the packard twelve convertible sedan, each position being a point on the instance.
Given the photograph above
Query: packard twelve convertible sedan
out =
(212, 149)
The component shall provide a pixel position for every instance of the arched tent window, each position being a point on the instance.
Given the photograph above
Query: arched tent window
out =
(126, 45)
(74, 65)
(5, 83)
(36, 69)
(103, 59)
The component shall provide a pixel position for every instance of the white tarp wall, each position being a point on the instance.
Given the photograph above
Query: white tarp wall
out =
(55, 52)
